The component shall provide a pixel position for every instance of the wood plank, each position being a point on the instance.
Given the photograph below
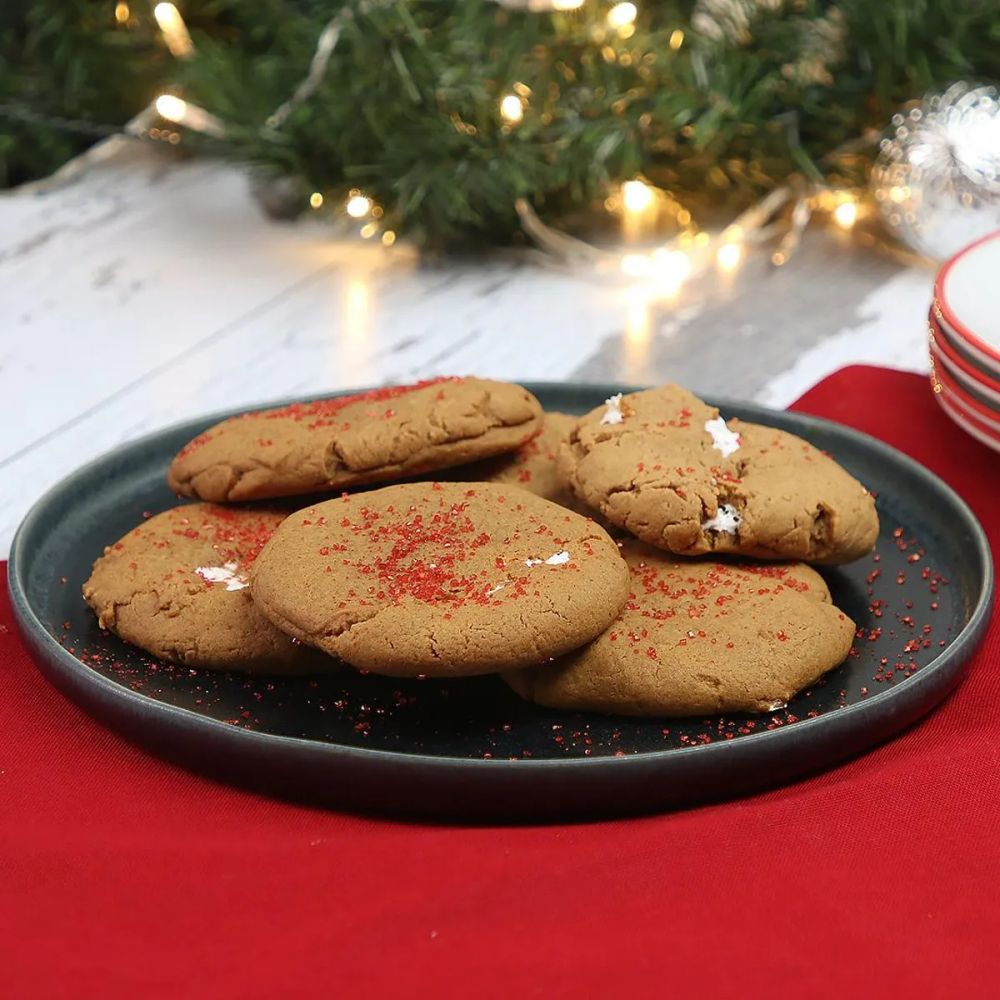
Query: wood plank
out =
(151, 291)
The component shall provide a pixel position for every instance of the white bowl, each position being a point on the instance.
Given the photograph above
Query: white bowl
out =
(966, 301)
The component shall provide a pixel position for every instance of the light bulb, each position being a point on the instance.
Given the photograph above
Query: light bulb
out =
(728, 256)
(175, 32)
(622, 15)
(358, 206)
(511, 109)
(846, 214)
(637, 196)
(172, 108)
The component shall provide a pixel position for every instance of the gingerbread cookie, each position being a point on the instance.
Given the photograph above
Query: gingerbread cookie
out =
(440, 579)
(699, 637)
(665, 466)
(371, 437)
(176, 586)
(532, 467)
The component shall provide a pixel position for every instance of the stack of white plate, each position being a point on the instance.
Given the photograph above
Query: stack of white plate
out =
(965, 339)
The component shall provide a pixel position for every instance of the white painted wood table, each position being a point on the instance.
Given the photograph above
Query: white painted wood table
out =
(152, 290)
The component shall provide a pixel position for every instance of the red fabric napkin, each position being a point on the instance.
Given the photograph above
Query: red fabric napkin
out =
(124, 876)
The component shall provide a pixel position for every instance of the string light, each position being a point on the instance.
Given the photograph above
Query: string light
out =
(388, 238)
(567, 4)
(676, 39)
(358, 206)
(172, 108)
(176, 110)
(368, 230)
(622, 16)
(316, 200)
(175, 32)
(728, 257)
(637, 196)
(846, 214)
(511, 109)
(122, 12)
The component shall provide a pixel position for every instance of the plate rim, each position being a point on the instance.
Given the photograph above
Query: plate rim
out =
(75, 672)
(950, 403)
(980, 410)
(954, 359)
(944, 309)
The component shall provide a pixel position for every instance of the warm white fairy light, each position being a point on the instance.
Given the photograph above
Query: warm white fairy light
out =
(622, 15)
(638, 201)
(358, 206)
(175, 109)
(637, 196)
(368, 230)
(122, 12)
(676, 39)
(172, 108)
(511, 109)
(175, 32)
(846, 214)
(316, 200)
(729, 256)
(388, 238)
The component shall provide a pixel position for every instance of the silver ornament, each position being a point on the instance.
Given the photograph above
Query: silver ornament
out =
(281, 197)
(937, 176)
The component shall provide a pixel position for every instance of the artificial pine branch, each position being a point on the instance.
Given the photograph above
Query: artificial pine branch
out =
(760, 92)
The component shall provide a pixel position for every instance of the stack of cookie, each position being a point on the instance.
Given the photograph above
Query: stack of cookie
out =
(579, 558)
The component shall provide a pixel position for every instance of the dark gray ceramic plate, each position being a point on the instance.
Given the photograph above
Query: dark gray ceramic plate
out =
(470, 749)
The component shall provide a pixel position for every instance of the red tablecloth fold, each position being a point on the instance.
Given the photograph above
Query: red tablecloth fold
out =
(124, 876)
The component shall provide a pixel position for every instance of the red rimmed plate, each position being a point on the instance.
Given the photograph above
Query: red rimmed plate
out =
(975, 419)
(965, 301)
(968, 424)
(974, 381)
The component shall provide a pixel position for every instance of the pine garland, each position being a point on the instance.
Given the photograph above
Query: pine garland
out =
(69, 74)
(716, 101)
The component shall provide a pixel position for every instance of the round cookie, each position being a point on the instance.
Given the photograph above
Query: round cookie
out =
(440, 579)
(176, 586)
(699, 637)
(533, 466)
(665, 466)
(376, 436)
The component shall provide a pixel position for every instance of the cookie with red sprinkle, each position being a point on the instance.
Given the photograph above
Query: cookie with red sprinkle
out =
(669, 469)
(533, 466)
(177, 586)
(440, 579)
(378, 436)
(700, 637)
